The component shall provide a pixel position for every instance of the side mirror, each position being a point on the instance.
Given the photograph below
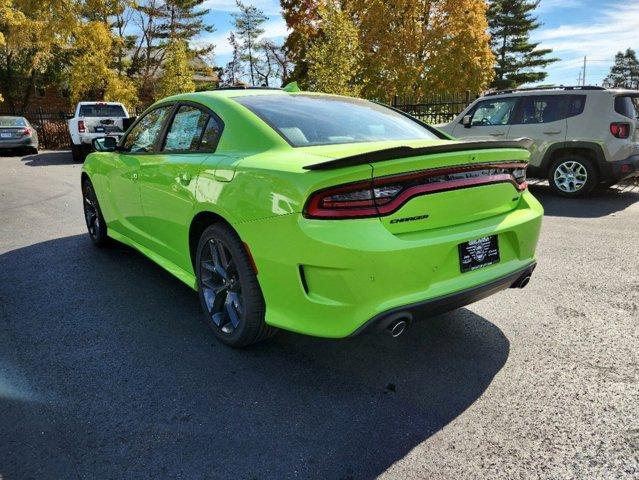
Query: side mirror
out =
(127, 122)
(105, 144)
(69, 116)
(467, 121)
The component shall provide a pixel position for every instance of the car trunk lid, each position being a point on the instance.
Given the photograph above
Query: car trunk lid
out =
(428, 187)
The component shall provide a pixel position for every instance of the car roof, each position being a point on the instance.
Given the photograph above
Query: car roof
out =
(98, 102)
(579, 90)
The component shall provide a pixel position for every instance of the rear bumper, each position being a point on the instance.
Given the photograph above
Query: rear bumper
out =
(330, 277)
(626, 168)
(19, 143)
(446, 303)
(87, 138)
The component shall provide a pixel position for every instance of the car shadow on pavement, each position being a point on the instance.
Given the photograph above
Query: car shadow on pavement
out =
(113, 375)
(48, 159)
(600, 203)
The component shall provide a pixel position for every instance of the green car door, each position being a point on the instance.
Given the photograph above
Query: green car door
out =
(138, 146)
(167, 180)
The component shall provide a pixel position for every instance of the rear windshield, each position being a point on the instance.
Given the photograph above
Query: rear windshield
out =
(12, 122)
(97, 110)
(627, 106)
(305, 120)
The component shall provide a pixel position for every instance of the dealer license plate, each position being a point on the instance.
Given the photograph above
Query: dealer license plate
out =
(478, 253)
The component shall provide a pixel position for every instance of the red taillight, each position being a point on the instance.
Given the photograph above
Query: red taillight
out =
(26, 132)
(620, 130)
(385, 195)
(81, 127)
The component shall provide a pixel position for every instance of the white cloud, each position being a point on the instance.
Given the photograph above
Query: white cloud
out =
(613, 30)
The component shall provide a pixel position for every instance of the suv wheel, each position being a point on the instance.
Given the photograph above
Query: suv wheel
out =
(572, 176)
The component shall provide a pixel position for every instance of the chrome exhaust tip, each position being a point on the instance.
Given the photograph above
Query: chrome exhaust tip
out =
(397, 327)
(523, 281)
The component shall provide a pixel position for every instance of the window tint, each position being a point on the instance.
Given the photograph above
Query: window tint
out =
(543, 109)
(493, 112)
(576, 105)
(305, 120)
(143, 136)
(549, 108)
(186, 129)
(101, 110)
(627, 106)
(210, 135)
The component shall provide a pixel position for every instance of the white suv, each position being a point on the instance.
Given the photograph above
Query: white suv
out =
(583, 137)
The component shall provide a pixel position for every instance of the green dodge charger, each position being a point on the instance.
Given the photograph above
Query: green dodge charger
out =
(314, 213)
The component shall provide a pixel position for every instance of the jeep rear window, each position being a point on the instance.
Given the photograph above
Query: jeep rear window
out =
(628, 106)
(305, 120)
(98, 110)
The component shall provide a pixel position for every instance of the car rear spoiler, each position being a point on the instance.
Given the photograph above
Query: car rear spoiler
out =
(403, 152)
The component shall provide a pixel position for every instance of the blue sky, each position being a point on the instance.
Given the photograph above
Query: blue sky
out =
(573, 28)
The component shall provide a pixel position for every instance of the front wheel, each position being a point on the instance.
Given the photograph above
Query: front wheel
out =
(229, 291)
(93, 215)
(572, 176)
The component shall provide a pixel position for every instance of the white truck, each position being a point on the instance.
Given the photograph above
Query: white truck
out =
(95, 120)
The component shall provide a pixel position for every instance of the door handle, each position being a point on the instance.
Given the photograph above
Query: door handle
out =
(184, 178)
(497, 134)
(552, 132)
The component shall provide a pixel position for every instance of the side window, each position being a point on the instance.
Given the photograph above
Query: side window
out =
(543, 109)
(143, 136)
(627, 106)
(576, 105)
(191, 130)
(493, 112)
(210, 135)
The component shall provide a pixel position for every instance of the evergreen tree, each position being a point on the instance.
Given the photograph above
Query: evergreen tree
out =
(625, 72)
(248, 28)
(518, 60)
(233, 70)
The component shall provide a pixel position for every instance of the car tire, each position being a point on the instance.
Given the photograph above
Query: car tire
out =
(76, 153)
(96, 226)
(229, 290)
(572, 176)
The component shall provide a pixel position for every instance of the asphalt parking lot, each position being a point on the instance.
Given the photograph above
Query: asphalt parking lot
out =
(107, 371)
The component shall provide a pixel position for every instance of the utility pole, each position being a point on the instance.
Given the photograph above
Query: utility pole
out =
(584, 75)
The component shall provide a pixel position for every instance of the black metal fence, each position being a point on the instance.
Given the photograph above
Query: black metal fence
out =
(53, 132)
(435, 108)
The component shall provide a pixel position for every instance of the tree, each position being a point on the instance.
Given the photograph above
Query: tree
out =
(625, 71)
(233, 70)
(36, 35)
(177, 74)
(302, 19)
(517, 58)
(90, 75)
(248, 29)
(333, 60)
(420, 47)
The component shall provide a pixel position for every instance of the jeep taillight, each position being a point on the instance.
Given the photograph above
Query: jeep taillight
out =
(385, 195)
(81, 127)
(620, 129)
